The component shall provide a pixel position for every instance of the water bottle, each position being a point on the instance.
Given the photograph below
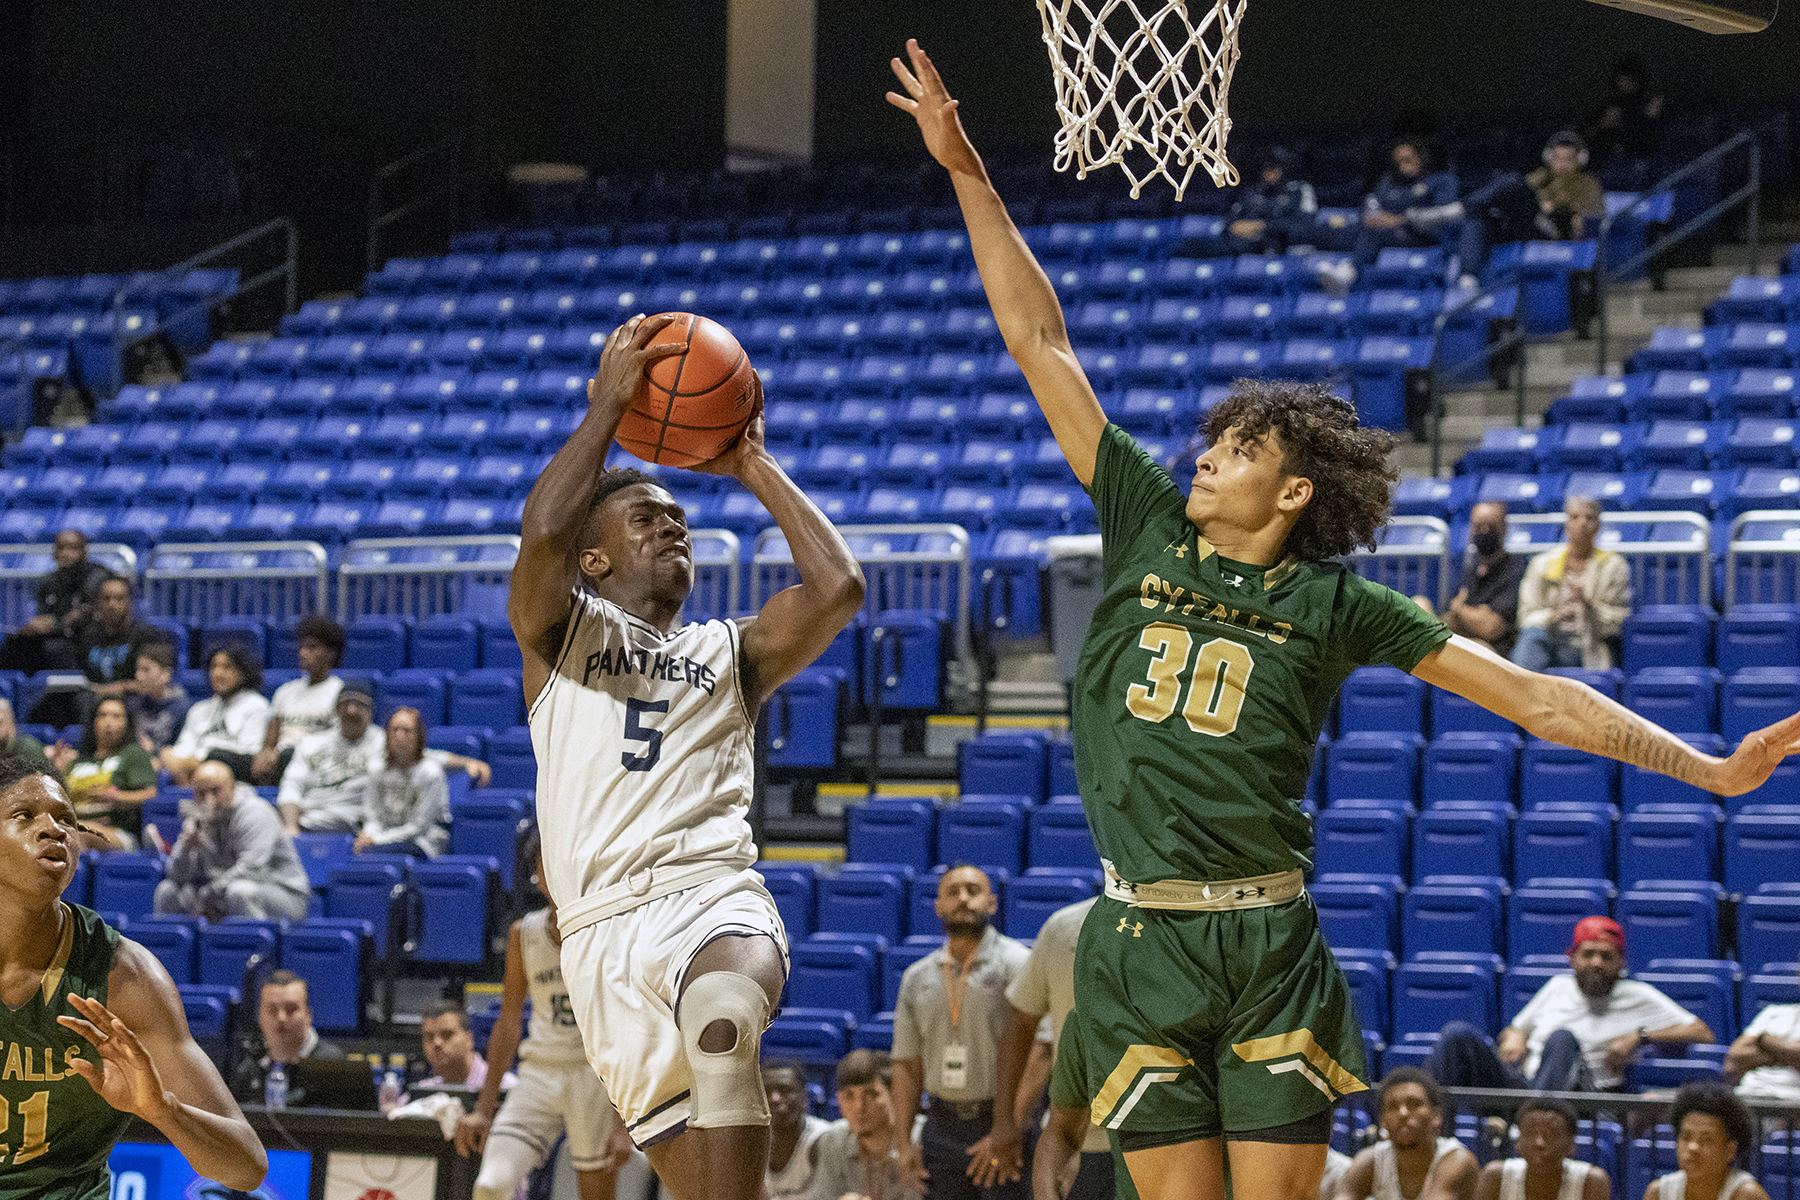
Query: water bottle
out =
(275, 1088)
(393, 1083)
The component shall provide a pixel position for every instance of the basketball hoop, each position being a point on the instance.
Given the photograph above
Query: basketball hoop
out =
(1142, 84)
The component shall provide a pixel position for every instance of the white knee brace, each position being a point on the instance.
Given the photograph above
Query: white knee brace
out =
(727, 1087)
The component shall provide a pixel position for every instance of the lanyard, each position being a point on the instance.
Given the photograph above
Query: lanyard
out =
(955, 993)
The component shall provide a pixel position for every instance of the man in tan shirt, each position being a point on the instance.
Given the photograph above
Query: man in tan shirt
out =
(1567, 195)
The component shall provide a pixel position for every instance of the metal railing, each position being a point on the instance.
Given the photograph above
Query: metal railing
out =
(1767, 567)
(1750, 195)
(422, 577)
(447, 154)
(1412, 557)
(1664, 570)
(197, 582)
(23, 565)
(718, 576)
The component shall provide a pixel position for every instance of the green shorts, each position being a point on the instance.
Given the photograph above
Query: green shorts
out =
(1213, 1023)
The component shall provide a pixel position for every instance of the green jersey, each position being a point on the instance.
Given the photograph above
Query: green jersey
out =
(55, 1131)
(1203, 684)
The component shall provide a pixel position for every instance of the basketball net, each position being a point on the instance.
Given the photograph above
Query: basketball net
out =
(1141, 84)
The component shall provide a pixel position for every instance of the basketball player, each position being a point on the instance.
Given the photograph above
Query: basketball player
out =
(672, 951)
(1214, 1019)
(557, 1091)
(69, 982)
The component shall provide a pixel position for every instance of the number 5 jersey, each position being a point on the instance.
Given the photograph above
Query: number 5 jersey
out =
(1203, 684)
(644, 748)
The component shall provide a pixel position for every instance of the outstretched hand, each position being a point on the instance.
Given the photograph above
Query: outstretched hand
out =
(126, 1076)
(1756, 758)
(930, 104)
(627, 355)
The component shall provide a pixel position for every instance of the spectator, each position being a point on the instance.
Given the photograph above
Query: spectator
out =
(1486, 608)
(409, 800)
(325, 788)
(450, 1048)
(45, 643)
(1416, 1159)
(1764, 1062)
(1410, 206)
(157, 703)
(1545, 1164)
(284, 1014)
(107, 642)
(19, 745)
(306, 706)
(1043, 993)
(1623, 128)
(853, 1150)
(1276, 210)
(108, 776)
(793, 1132)
(232, 859)
(1574, 599)
(946, 1028)
(1567, 195)
(1712, 1130)
(1577, 1033)
(227, 726)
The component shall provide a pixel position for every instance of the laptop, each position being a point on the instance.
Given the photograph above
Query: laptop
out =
(332, 1083)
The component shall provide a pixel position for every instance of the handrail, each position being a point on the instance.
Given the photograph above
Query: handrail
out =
(1751, 192)
(1515, 279)
(379, 219)
(288, 270)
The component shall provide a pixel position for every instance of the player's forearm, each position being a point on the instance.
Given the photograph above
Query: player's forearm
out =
(222, 1148)
(909, 1085)
(1058, 1145)
(502, 1047)
(1566, 711)
(559, 500)
(1026, 309)
(828, 571)
(1010, 1055)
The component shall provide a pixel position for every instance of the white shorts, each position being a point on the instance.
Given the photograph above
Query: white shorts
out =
(550, 1099)
(624, 976)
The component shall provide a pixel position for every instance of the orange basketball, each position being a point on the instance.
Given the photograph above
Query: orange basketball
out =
(691, 407)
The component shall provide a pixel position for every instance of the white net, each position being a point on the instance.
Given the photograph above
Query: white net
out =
(1143, 84)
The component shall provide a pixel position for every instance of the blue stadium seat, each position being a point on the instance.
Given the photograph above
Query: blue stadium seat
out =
(1760, 848)
(1757, 635)
(1358, 916)
(452, 910)
(208, 1013)
(871, 902)
(1639, 786)
(172, 943)
(422, 688)
(1669, 924)
(1753, 344)
(1463, 765)
(1673, 349)
(805, 718)
(895, 960)
(1680, 699)
(1758, 696)
(331, 960)
(1542, 919)
(1033, 898)
(1551, 771)
(1354, 838)
(892, 829)
(1707, 996)
(1668, 845)
(1382, 699)
(1453, 841)
(126, 883)
(487, 696)
(1436, 918)
(488, 824)
(499, 649)
(1367, 974)
(1759, 442)
(906, 650)
(445, 641)
(320, 852)
(1758, 392)
(816, 1037)
(988, 832)
(794, 889)
(1004, 763)
(375, 643)
(835, 975)
(371, 891)
(1429, 995)
(1058, 836)
(510, 755)
(1375, 765)
(1667, 635)
(1562, 845)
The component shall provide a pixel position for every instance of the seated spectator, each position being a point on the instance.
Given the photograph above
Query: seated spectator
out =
(450, 1048)
(793, 1132)
(853, 1150)
(1486, 608)
(1712, 1131)
(157, 703)
(302, 707)
(409, 800)
(1623, 129)
(1410, 206)
(1545, 1164)
(1275, 211)
(108, 776)
(1567, 196)
(1579, 1031)
(107, 642)
(19, 745)
(45, 643)
(233, 859)
(325, 788)
(1575, 598)
(227, 726)
(284, 1015)
(1416, 1159)
(1765, 1060)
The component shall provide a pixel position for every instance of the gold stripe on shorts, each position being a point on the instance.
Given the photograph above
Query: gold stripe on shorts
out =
(1136, 1059)
(1301, 1042)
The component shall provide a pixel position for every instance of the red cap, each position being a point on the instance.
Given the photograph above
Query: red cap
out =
(1598, 929)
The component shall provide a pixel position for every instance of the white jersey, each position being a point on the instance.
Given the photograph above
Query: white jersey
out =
(1574, 1179)
(1673, 1186)
(795, 1179)
(644, 748)
(1387, 1170)
(552, 1037)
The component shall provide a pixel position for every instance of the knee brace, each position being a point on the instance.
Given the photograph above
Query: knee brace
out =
(727, 1087)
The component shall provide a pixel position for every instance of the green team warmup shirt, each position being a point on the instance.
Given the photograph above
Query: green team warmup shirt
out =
(1203, 684)
(57, 1132)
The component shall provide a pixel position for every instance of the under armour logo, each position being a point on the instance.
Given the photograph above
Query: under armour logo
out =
(1236, 580)
(1137, 927)
(1179, 549)
(1244, 893)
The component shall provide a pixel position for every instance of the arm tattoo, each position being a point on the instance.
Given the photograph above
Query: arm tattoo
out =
(1586, 720)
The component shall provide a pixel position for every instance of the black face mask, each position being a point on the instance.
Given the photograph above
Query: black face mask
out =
(1487, 542)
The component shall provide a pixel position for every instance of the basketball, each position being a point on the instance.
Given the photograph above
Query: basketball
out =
(691, 407)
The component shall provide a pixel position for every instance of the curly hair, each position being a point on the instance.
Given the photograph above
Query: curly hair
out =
(316, 627)
(1353, 481)
(1713, 1099)
(242, 655)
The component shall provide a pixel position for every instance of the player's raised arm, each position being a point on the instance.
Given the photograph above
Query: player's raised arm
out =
(150, 1066)
(797, 623)
(1567, 711)
(1024, 303)
(543, 579)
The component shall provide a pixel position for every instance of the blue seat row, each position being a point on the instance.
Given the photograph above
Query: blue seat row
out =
(994, 829)
(1679, 395)
(1613, 448)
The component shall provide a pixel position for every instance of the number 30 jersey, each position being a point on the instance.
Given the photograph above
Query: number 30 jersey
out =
(1203, 684)
(644, 750)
